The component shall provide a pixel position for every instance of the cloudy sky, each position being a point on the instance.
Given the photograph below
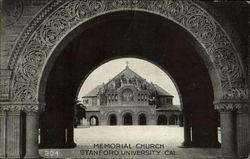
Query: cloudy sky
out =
(145, 69)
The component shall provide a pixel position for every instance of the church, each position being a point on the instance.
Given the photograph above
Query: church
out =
(128, 99)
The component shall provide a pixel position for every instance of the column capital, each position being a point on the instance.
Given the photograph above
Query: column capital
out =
(232, 105)
(24, 107)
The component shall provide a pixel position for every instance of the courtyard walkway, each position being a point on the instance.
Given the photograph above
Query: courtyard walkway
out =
(127, 142)
(168, 135)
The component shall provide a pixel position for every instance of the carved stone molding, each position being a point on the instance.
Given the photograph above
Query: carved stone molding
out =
(242, 106)
(24, 107)
(60, 17)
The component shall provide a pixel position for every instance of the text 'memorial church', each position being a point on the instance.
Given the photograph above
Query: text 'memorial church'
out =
(128, 99)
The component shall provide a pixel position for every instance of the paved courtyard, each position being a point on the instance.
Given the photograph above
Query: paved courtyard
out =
(138, 142)
(168, 135)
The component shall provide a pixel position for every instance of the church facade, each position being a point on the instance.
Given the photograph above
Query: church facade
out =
(128, 99)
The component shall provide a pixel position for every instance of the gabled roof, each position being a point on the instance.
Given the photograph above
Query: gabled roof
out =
(161, 91)
(130, 73)
(93, 92)
(127, 72)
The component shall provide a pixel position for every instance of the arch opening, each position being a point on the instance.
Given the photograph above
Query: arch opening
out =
(93, 121)
(113, 119)
(162, 120)
(70, 69)
(127, 119)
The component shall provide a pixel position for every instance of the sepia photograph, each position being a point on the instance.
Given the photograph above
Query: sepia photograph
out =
(124, 79)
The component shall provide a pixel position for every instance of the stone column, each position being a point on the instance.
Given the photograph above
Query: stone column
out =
(243, 129)
(32, 112)
(187, 130)
(227, 111)
(119, 118)
(20, 130)
(177, 121)
(11, 125)
(227, 134)
(135, 119)
(70, 137)
(168, 118)
(31, 144)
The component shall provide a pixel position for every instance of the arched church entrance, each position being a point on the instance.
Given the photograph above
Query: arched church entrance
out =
(162, 120)
(93, 121)
(56, 52)
(142, 119)
(127, 119)
(112, 119)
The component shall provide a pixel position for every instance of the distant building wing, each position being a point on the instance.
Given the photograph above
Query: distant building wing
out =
(93, 108)
(93, 92)
(161, 91)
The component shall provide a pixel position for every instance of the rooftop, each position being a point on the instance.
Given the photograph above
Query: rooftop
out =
(129, 73)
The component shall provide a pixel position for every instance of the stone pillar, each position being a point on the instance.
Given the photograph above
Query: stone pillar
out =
(243, 130)
(11, 124)
(187, 130)
(177, 121)
(228, 115)
(227, 134)
(135, 119)
(19, 138)
(119, 119)
(152, 119)
(31, 144)
(70, 137)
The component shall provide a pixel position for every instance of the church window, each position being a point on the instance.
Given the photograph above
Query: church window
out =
(87, 101)
(127, 95)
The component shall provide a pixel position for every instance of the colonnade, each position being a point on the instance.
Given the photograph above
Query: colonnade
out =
(20, 125)
(234, 133)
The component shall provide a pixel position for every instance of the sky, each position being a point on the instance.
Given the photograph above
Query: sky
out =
(145, 69)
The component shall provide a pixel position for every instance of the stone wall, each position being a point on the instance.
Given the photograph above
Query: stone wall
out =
(16, 16)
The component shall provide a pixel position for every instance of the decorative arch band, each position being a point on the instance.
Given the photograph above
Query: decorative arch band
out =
(60, 17)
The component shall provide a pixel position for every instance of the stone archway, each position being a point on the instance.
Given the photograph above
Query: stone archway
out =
(162, 120)
(58, 19)
(112, 119)
(127, 119)
(93, 121)
(69, 15)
